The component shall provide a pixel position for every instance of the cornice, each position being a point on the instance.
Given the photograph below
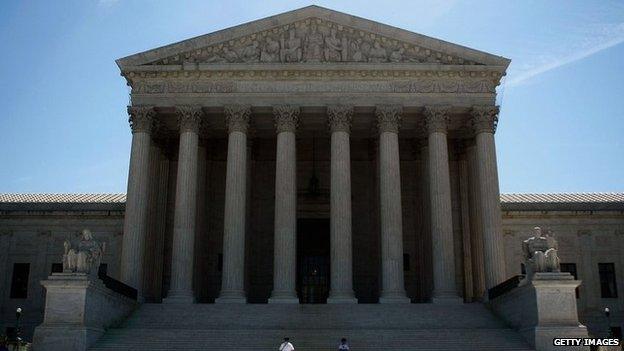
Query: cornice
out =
(312, 70)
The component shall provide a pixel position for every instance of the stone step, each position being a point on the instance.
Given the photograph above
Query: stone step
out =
(320, 316)
(319, 339)
(312, 327)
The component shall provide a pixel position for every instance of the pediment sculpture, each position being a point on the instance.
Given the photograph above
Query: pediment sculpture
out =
(540, 254)
(84, 256)
(313, 40)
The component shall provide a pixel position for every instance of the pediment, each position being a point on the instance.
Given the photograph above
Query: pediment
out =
(312, 35)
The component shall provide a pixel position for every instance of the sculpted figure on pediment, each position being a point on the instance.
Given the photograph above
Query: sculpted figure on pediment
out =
(335, 48)
(313, 45)
(377, 53)
(230, 55)
(356, 52)
(271, 51)
(215, 58)
(397, 55)
(291, 48)
(251, 52)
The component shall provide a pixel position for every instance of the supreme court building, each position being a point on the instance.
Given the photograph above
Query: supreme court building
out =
(312, 157)
(318, 153)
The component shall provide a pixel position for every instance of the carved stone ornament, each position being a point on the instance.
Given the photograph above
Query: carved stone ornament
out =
(83, 257)
(437, 118)
(321, 80)
(189, 118)
(540, 254)
(484, 118)
(141, 118)
(286, 118)
(340, 117)
(237, 118)
(312, 40)
(388, 118)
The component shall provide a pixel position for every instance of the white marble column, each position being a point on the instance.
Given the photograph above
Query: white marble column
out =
(234, 223)
(484, 120)
(444, 287)
(182, 256)
(340, 206)
(285, 236)
(393, 286)
(135, 219)
(476, 228)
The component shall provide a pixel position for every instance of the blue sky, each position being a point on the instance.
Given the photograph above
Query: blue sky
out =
(63, 125)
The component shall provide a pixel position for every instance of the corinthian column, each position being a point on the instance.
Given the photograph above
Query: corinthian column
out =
(393, 287)
(484, 120)
(340, 202)
(233, 278)
(182, 256)
(135, 219)
(285, 240)
(444, 288)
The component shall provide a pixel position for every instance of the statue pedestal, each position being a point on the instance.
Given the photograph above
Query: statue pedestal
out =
(77, 310)
(542, 309)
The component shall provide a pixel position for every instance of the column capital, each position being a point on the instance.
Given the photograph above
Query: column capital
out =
(388, 118)
(141, 118)
(237, 118)
(189, 118)
(484, 118)
(437, 118)
(340, 117)
(286, 118)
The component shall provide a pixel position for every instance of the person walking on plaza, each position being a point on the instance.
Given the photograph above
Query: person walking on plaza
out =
(343, 345)
(286, 345)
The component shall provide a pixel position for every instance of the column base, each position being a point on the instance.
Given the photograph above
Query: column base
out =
(341, 297)
(338, 300)
(394, 297)
(394, 300)
(180, 297)
(284, 297)
(231, 297)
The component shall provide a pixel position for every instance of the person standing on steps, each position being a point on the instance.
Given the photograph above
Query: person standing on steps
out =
(286, 345)
(343, 345)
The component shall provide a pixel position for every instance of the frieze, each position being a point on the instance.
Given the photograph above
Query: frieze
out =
(458, 86)
(312, 40)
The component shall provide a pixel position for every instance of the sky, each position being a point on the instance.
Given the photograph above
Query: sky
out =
(64, 128)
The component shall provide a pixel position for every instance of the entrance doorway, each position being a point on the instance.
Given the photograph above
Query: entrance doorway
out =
(313, 260)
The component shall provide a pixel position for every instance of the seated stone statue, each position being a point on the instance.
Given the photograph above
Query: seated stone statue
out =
(540, 254)
(85, 257)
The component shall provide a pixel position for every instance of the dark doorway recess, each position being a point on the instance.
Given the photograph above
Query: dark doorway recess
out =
(313, 260)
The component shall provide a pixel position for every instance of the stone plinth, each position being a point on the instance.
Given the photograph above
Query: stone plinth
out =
(542, 309)
(77, 311)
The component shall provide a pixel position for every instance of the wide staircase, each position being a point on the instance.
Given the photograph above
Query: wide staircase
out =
(466, 327)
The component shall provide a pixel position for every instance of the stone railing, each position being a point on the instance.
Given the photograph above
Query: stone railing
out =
(505, 286)
(541, 309)
(78, 309)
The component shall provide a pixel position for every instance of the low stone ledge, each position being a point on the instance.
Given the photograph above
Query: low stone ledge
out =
(78, 309)
(541, 309)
